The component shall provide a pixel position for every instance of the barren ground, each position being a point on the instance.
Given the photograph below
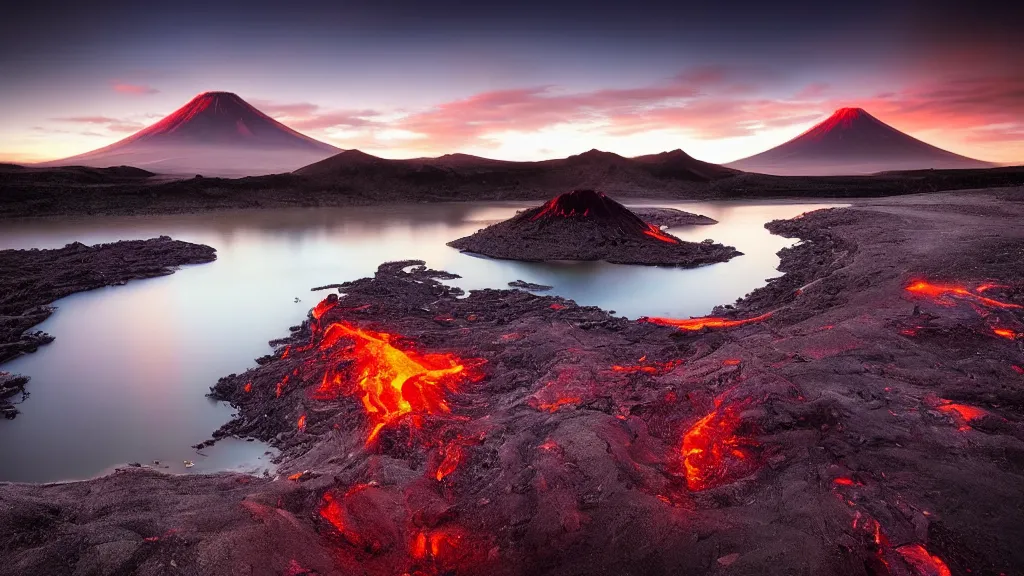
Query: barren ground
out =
(872, 422)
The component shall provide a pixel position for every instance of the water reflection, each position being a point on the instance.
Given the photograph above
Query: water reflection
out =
(126, 378)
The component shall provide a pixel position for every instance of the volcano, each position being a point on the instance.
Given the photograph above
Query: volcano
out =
(216, 133)
(851, 141)
(587, 225)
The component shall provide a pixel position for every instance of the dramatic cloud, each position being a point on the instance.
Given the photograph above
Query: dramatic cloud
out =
(967, 109)
(471, 120)
(111, 124)
(705, 104)
(311, 117)
(136, 89)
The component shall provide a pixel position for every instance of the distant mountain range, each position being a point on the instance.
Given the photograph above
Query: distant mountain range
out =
(220, 134)
(594, 169)
(216, 133)
(848, 142)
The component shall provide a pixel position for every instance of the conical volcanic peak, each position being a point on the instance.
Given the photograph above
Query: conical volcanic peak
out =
(852, 141)
(220, 118)
(581, 204)
(215, 133)
(587, 225)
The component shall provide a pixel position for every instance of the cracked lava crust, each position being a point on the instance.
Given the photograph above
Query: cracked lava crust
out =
(860, 415)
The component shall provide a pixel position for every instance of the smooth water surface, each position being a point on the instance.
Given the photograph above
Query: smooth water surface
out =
(126, 378)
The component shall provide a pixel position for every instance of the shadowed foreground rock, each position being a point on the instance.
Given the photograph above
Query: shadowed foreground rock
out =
(869, 422)
(32, 279)
(587, 225)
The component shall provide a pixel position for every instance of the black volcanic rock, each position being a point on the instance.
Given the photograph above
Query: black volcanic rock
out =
(672, 217)
(30, 280)
(587, 225)
(851, 141)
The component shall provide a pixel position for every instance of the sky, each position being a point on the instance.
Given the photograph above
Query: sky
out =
(520, 80)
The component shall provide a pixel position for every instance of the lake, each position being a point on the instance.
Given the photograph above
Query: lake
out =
(125, 380)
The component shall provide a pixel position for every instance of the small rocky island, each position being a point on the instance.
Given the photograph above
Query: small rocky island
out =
(32, 279)
(672, 217)
(587, 225)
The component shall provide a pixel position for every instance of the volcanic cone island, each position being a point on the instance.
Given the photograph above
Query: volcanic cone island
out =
(587, 225)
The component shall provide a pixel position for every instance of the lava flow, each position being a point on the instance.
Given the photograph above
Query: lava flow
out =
(962, 413)
(695, 324)
(923, 563)
(942, 294)
(714, 454)
(390, 382)
(656, 233)
(654, 368)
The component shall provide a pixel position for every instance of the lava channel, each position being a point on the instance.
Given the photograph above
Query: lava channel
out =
(390, 382)
(714, 453)
(695, 324)
(943, 293)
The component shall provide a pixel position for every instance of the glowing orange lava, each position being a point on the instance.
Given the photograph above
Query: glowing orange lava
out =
(695, 324)
(651, 368)
(713, 453)
(1005, 333)
(452, 457)
(923, 563)
(391, 382)
(302, 423)
(985, 287)
(440, 545)
(333, 512)
(656, 233)
(942, 293)
(248, 387)
(962, 413)
(843, 481)
(558, 403)
(324, 306)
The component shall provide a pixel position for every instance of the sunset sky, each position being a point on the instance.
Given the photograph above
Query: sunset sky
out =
(519, 80)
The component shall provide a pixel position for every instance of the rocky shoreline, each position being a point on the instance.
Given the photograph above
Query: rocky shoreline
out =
(672, 217)
(31, 280)
(862, 414)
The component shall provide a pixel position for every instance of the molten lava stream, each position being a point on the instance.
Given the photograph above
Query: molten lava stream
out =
(714, 454)
(656, 233)
(923, 563)
(694, 324)
(941, 293)
(391, 382)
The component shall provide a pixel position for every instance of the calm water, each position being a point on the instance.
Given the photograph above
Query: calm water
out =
(126, 377)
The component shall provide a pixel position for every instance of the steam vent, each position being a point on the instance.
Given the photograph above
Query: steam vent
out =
(587, 225)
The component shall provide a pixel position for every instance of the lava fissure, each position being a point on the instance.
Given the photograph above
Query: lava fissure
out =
(697, 324)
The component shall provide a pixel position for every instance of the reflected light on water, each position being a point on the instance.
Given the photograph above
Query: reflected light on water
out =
(126, 378)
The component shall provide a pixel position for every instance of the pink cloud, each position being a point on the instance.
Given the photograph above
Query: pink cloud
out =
(136, 89)
(812, 91)
(710, 103)
(705, 101)
(468, 121)
(111, 124)
(308, 116)
(971, 109)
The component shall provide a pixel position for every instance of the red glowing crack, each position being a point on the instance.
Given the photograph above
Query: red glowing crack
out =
(695, 324)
